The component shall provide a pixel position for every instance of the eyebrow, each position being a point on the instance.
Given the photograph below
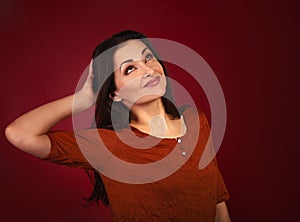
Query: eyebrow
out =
(130, 60)
(143, 51)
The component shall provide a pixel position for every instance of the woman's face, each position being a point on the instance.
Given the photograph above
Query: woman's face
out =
(139, 77)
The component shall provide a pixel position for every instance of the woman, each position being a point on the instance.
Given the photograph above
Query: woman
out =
(128, 83)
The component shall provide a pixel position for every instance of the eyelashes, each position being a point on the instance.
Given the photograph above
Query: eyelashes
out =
(148, 56)
(131, 68)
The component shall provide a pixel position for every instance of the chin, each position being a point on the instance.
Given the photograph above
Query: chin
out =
(147, 99)
(145, 95)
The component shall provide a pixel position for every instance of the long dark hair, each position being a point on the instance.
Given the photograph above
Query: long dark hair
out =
(104, 83)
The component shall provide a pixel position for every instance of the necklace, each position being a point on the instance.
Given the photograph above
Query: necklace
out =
(183, 131)
(158, 128)
(181, 146)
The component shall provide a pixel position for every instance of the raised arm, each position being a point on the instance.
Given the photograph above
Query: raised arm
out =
(27, 132)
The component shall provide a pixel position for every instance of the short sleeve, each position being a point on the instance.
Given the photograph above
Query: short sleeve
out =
(65, 150)
(222, 192)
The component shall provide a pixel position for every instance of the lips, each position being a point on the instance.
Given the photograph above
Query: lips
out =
(153, 82)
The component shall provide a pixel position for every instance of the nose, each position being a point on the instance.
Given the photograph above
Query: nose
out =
(147, 75)
(145, 70)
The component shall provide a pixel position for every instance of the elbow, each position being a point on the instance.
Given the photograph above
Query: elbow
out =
(23, 140)
(12, 135)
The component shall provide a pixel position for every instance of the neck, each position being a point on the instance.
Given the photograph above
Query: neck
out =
(142, 113)
(152, 119)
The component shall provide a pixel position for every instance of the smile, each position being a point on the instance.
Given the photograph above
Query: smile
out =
(152, 82)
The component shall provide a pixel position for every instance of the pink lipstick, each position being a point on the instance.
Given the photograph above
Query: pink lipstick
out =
(152, 82)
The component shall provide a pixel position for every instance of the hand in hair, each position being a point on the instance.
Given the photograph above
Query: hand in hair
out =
(87, 92)
(28, 132)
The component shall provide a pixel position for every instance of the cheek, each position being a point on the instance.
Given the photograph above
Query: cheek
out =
(119, 81)
(129, 89)
(159, 68)
(127, 84)
(119, 85)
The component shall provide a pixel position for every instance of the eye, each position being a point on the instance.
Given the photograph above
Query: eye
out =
(148, 57)
(129, 69)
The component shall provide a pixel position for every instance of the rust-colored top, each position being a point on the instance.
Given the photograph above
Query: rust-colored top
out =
(189, 194)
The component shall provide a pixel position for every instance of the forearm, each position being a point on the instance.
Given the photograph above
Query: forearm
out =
(39, 120)
(28, 131)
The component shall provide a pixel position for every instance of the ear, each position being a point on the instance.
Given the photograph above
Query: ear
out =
(115, 97)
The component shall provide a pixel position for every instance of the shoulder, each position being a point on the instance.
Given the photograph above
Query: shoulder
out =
(95, 132)
(193, 112)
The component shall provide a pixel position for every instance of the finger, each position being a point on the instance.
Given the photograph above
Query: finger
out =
(91, 68)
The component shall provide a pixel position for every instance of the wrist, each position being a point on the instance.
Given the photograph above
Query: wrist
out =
(81, 101)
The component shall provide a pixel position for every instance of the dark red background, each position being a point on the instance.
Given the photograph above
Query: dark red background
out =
(252, 47)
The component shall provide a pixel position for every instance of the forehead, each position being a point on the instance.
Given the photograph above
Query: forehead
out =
(130, 49)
